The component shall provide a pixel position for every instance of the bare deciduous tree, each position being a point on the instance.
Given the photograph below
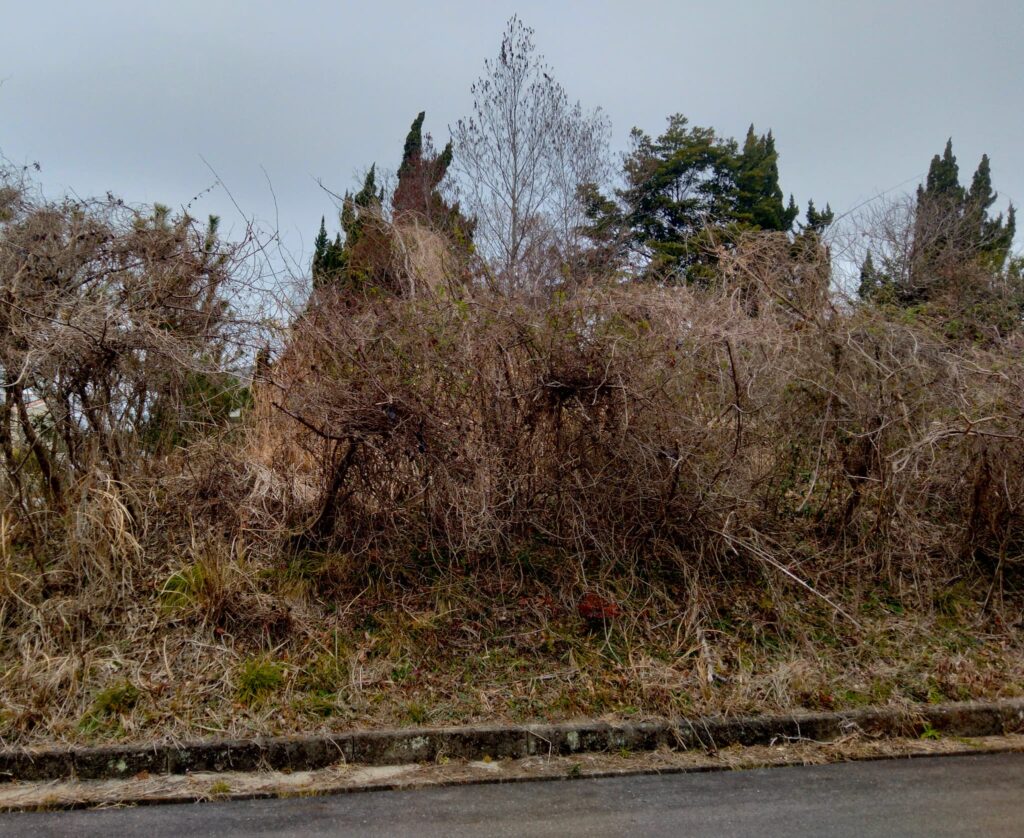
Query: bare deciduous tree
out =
(521, 159)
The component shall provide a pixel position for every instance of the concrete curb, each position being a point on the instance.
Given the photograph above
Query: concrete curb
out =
(56, 795)
(474, 742)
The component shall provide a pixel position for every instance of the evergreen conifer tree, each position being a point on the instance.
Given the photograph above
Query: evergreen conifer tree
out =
(419, 177)
(413, 150)
(818, 221)
(952, 262)
(943, 181)
(758, 199)
(688, 192)
(873, 283)
(952, 225)
(361, 254)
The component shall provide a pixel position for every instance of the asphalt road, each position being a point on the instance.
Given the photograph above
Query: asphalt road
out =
(967, 795)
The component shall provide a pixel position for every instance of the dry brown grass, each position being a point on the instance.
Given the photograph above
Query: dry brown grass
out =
(776, 501)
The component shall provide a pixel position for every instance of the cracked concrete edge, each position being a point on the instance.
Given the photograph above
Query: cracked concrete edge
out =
(474, 742)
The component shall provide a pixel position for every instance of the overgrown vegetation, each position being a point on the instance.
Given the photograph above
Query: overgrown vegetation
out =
(679, 473)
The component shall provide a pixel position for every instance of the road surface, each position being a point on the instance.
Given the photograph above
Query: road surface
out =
(964, 795)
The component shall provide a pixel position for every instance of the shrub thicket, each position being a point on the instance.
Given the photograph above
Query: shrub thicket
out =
(685, 438)
(705, 429)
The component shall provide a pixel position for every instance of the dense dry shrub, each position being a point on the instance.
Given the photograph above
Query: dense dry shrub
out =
(611, 483)
(467, 426)
(754, 423)
(116, 337)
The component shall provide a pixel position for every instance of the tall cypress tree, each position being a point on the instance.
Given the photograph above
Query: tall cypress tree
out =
(361, 255)
(332, 260)
(953, 223)
(419, 176)
(957, 268)
(413, 150)
(758, 195)
(873, 283)
(818, 221)
(943, 181)
(328, 258)
(991, 237)
(320, 246)
(981, 197)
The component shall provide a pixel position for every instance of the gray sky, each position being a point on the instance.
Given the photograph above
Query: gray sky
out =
(130, 96)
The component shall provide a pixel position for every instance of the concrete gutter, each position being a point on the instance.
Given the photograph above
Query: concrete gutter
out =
(478, 742)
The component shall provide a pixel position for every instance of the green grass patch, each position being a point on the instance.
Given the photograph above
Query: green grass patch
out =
(182, 588)
(258, 678)
(108, 704)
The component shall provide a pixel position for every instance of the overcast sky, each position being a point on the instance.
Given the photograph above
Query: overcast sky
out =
(132, 97)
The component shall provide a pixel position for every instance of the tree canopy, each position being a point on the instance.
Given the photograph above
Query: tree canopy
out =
(951, 227)
(686, 192)
(360, 254)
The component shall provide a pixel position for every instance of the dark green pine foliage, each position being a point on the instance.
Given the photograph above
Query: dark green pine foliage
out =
(943, 181)
(808, 242)
(320, 243)
(979, 200)
(332, 259)
(419, 177)
(791, 208)
(687, 193)
(952, 227)
(874, 285)
(818, 221)
(356, 208)
(950, 216)
(676, 186)
(360, 256)
(991, 237)
(958, 265)
(328, 257)
(413, 150)
(758, 200)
